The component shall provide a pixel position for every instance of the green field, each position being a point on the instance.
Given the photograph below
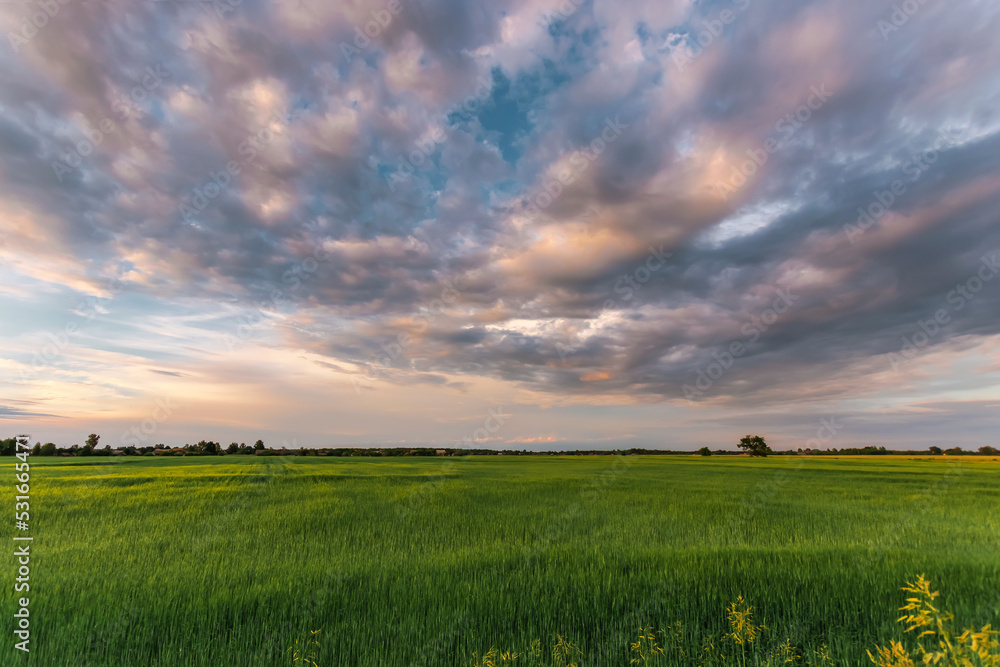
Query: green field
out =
(424, 561)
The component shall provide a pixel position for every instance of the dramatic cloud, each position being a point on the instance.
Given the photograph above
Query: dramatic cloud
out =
(370, 221)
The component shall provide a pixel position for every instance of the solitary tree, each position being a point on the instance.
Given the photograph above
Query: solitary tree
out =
(705, 451)
(754, 445)
(92, 440)
(258, 445)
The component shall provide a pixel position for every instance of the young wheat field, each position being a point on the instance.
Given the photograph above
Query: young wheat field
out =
(596, 560)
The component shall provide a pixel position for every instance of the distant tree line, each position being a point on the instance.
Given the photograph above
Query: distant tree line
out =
(8, 447)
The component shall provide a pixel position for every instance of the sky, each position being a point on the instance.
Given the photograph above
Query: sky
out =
(522, 224)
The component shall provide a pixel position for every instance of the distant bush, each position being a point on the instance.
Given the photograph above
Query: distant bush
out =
(705, 451)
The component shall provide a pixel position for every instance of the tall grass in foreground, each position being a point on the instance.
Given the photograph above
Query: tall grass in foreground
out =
(199, 562)
(937, 643)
